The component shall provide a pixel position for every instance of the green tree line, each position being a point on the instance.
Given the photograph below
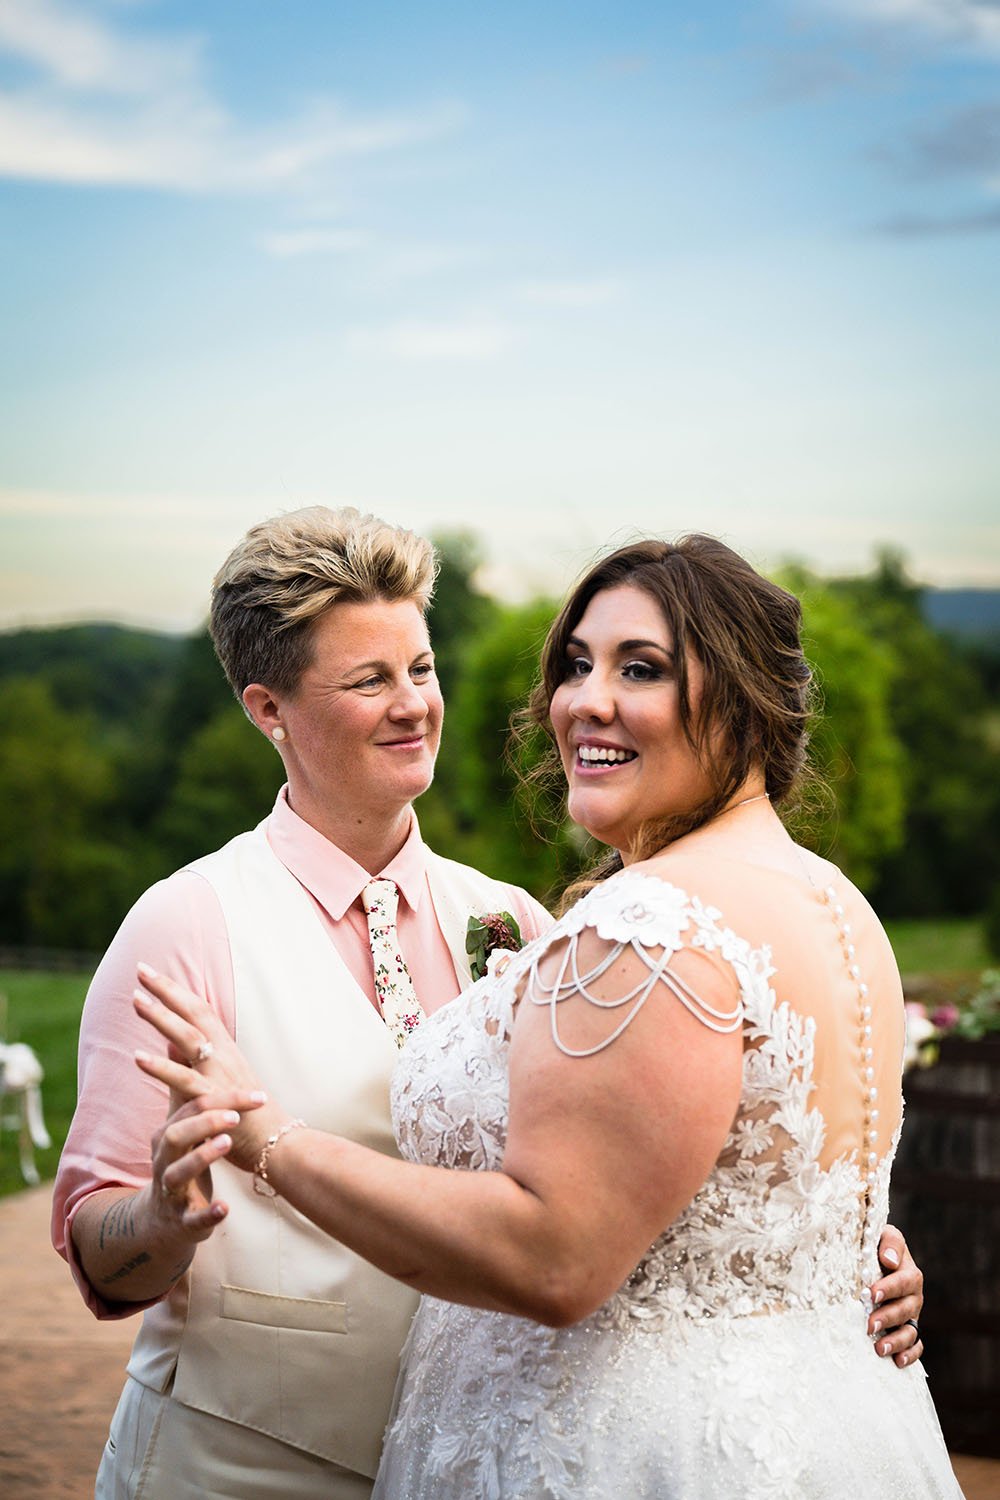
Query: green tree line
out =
(123, 755)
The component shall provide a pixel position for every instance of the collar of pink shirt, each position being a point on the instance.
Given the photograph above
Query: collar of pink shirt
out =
(333, 877)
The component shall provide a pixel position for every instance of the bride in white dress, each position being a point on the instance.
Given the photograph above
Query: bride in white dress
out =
(674, 1116)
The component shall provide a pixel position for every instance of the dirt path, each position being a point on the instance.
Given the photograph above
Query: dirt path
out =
(61, 1372)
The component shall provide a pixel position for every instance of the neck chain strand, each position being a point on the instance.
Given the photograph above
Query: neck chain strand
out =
(760, 797)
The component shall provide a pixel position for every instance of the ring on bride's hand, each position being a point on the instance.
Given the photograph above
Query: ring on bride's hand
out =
(204, 1052)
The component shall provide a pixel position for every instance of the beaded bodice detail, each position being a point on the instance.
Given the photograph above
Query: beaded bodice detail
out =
(770, 1229)
(875, 1173)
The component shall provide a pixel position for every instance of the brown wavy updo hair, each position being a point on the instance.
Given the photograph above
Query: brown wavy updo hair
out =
(745, 632)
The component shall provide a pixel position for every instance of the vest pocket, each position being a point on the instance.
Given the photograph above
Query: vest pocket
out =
(306, 1313)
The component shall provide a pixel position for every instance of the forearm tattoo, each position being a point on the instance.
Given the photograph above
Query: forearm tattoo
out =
(142, 1259)
(118, 1222)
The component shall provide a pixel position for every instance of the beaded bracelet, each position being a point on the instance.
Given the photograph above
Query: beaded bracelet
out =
(261, 1183)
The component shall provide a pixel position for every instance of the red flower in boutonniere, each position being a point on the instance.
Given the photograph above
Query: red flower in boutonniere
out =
(497, 933)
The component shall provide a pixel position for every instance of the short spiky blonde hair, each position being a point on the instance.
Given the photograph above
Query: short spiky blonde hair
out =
(289, 571)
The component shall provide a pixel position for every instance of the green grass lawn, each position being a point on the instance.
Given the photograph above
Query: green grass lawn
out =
(951, 946)
(44, 1011)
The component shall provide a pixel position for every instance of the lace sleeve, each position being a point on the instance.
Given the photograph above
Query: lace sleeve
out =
(631, 915)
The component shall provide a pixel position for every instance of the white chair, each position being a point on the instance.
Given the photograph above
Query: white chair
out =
(21, 1077)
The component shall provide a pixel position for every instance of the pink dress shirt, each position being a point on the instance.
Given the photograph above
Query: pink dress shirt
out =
(177, 926)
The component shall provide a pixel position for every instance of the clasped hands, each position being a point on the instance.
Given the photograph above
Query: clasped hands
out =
(218, 1109)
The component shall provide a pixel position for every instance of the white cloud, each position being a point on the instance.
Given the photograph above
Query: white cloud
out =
(967, 23)
(288, 243)
(110, 108)
(326, 133)
(386, 260)
(77, 50)
(410, 262)
(48, 141)
(570, 293)
(466, 340)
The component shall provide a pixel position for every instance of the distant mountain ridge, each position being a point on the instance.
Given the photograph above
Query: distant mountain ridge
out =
(972, 614)
(105, 669)
(78, 655)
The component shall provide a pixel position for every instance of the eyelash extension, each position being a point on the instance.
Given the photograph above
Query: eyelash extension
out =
(649, 671)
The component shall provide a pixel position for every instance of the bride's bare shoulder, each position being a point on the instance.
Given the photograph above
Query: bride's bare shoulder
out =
(706, 877)
(702, 863)
(735, 879)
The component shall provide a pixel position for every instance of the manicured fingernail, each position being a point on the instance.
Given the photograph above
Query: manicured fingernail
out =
(145, 999)
(146, 970)
(258, 1097)
(143, 1057)
(231, 1116)
(218, 1211)
(886, 1348)
(223, 1142)
(878, 1297)
(891, 1255)
(904, 1359)
(876, 1328)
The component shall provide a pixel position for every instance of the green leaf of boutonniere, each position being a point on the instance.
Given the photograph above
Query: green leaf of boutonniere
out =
(496, 931)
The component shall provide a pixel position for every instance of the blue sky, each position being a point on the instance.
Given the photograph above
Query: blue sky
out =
(556, 273)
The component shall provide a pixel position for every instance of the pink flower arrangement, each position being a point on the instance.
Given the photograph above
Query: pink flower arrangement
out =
(977, 1017)
(920, 1048)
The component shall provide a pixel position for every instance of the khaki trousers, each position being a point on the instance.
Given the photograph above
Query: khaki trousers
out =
(160, 1450)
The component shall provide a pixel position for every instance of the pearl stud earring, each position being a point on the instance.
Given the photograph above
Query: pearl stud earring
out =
(277, 733)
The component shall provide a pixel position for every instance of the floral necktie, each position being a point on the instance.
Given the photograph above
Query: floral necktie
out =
(401, 1010)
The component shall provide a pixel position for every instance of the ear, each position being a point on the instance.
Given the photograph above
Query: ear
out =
(264, 710)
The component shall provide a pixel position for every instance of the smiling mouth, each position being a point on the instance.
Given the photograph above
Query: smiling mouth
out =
(603, 755)
(412, 743)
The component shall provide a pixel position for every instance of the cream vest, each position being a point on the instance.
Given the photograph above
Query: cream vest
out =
(277, 1326)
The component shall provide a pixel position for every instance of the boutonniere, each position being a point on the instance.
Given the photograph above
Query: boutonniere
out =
(491, 942)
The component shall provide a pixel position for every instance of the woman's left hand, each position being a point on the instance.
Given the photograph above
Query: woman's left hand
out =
(203, 1062)
(898, 1297)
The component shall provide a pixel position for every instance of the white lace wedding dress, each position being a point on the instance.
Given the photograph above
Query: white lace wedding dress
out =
(734, 1363)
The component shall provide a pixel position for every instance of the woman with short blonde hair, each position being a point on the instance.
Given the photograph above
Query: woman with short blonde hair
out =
(267, 1355)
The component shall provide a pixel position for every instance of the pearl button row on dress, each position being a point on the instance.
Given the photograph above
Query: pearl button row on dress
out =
(867, 1070)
